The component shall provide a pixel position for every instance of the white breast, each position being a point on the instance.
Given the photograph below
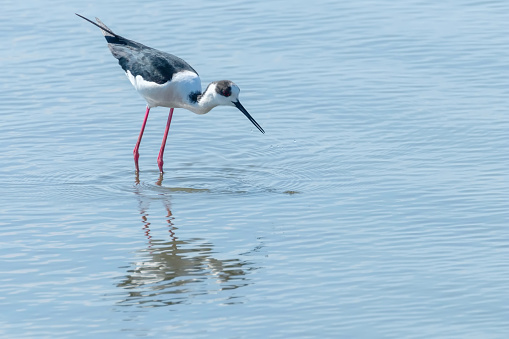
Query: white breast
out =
(174, 93)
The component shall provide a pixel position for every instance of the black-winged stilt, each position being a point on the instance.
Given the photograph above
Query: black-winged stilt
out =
(168, 81)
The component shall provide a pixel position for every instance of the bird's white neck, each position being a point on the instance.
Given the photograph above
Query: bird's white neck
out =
(204, 102)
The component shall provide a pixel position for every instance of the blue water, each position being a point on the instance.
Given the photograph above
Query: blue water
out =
(375, 206)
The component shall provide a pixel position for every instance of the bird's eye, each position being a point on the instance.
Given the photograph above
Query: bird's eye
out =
(227, 92)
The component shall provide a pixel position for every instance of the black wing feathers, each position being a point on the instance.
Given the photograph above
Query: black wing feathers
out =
(152, 65)
(138, 59)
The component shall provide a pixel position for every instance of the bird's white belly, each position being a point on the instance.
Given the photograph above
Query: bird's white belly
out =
(174, 93)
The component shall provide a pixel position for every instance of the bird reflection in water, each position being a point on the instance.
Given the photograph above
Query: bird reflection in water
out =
(173, 271)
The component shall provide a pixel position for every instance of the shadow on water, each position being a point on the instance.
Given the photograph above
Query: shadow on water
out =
(172, 271)
(159, 183)
(228, 180)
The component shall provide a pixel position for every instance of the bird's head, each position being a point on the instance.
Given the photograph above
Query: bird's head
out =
(226, 93)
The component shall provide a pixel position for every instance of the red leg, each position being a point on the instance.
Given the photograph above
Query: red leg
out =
(161, 151)
(135, 152)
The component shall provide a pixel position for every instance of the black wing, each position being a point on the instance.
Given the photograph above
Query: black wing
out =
(152, 64)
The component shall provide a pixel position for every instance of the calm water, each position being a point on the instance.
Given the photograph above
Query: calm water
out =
(376, 205)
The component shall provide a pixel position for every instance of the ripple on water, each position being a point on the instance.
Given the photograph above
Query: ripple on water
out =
(223, 180)
(241, 172)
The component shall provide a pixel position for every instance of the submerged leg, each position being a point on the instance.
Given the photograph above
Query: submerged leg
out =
(135, 152)
(161, 151)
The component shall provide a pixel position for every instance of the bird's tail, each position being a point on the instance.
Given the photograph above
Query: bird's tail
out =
(113, 39)
(106, 31)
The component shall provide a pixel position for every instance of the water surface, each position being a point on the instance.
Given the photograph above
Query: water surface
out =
(376, 205)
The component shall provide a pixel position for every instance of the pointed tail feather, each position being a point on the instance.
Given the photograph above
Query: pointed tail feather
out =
(113, 38)
(106, 31)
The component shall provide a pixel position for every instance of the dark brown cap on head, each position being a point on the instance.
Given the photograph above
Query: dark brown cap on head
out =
(224, 87)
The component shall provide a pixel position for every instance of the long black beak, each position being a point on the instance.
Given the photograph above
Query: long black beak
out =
(243, 110)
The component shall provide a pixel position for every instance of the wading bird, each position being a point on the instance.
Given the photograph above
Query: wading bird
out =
(165, 80)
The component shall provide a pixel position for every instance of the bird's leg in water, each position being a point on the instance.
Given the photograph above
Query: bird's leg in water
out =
(161, 151)
(135, 152)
